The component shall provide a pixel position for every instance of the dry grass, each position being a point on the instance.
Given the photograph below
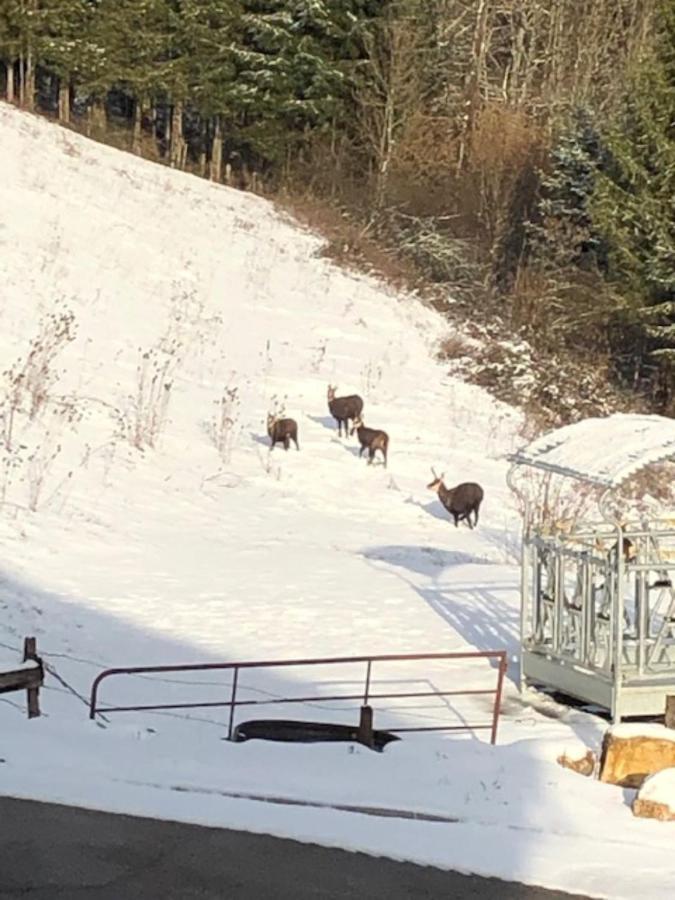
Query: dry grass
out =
(351, 244)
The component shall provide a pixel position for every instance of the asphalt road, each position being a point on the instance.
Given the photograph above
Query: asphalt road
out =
(50, 852)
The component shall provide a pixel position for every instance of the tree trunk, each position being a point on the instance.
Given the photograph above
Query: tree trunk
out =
(177, 148)
(136, 143)
(386, 147)
(29, 95)
(22, 80)
(64, 100)
(216, 164)
(473, 95)
(152, 120)
(96, 118)
(10, 81)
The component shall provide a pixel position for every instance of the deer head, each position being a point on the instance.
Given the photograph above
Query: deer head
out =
(437, 482)
(332, 391)
(356, 423)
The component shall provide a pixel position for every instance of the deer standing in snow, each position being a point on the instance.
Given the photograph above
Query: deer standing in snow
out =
(371, 439)
(459, 501)
(342, 409)
(282, 431)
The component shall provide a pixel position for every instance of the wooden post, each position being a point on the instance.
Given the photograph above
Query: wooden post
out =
(32, 693)
(365, 733)
(669, 718)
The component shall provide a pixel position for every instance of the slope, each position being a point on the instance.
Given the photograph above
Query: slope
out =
(149, 321)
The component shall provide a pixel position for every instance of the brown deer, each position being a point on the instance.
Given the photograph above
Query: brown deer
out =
(371, 439)
(459, 501)
(282, 431)
(342, 409)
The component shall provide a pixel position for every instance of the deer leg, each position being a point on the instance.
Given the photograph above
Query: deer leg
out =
(371, 456)
(361, 449)
(295, 441)
(287, 442)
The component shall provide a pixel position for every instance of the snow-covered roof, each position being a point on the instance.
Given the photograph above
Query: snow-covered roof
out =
(603, 451)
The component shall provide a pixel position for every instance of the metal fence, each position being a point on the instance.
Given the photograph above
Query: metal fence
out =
(366, 695)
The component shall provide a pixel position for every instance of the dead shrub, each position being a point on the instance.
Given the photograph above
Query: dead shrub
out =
(150, 403)
(28, 382)
(350, 243)
(556, 504)
(505, 148)
(456, 346)
(223, 429)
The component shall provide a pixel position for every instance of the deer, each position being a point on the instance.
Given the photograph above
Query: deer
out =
(282, 431)
(459, 501)
(342, 409)
(371, 439)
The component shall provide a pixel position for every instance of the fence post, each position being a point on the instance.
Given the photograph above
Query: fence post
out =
(365, 732)
(503, 665)
(235, 677)
(32, 693)
(366, 691)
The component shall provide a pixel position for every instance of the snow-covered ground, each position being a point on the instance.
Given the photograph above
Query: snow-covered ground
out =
(183, 552)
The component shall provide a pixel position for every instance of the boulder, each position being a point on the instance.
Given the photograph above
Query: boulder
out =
(656, 797)
(631, 753)
(584, 765)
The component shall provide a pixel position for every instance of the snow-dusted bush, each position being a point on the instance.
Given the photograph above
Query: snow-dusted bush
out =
(223, 428)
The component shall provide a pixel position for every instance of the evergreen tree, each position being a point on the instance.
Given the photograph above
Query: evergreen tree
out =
(563, 232)
(634, 201)
(289, 71)
(10, 42)
(134, 38)
(207, 29)
(64, 45)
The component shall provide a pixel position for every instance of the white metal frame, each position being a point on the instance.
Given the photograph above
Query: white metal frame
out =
(595, 625)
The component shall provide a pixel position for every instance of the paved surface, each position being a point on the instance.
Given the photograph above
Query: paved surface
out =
(50, 852)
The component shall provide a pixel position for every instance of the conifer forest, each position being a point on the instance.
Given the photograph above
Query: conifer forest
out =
(515, 155)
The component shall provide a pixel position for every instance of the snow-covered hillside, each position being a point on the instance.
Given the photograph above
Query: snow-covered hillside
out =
(141, 307)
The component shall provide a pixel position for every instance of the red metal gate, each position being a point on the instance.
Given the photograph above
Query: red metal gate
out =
(366, 696)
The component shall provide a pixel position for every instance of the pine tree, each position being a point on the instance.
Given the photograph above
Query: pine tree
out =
(207, 29)
(563, 233)
(19, 25)
(289, 73)
(10, 43)
(63, 44)
(633, 203)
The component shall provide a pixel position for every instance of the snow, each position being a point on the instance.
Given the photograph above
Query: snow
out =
(11, 663)
(181, 553)
(628, 730)
(660, 788)
(629, 442)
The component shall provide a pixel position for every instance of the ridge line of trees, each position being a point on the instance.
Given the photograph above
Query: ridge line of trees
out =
(521, 152)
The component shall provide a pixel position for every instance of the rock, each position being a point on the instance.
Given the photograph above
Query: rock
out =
(584, 765)
(631, 753)
(656, 797)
